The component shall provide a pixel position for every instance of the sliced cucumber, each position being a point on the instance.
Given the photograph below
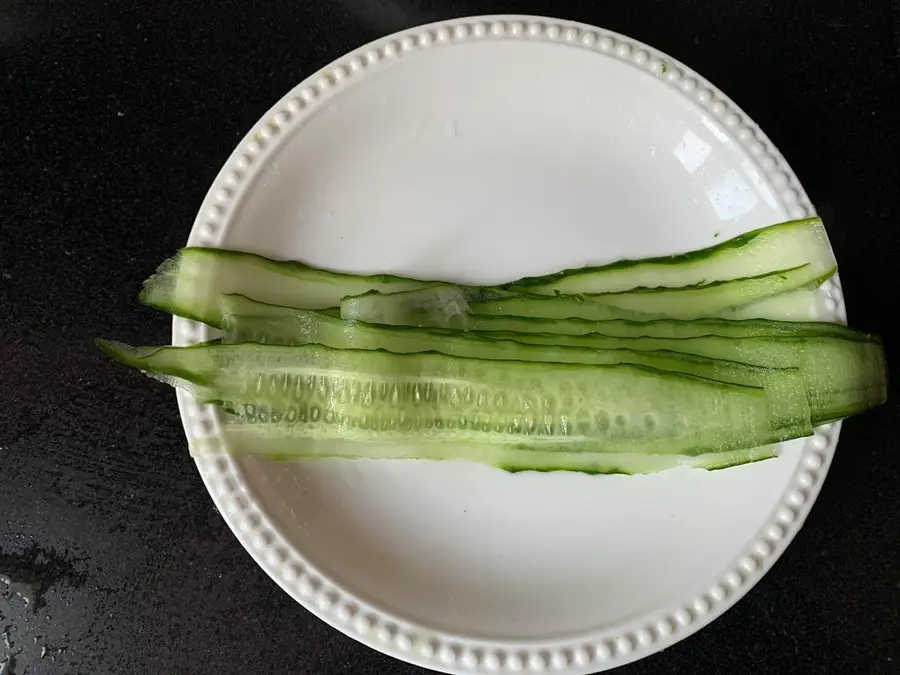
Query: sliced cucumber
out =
(449, 305)
(778, 247)
(441, 305)
(805, 304)
(673, 328)
(372, 395)
(843, 377)
(785, 388)
(239, 305)
(691, 302)
(285, 442)
(633, 367)
(190, 283)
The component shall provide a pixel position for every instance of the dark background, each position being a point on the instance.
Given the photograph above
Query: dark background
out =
(115, 117)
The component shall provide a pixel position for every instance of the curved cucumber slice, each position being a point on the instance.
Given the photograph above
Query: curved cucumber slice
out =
(449, 306)
(284, 442)
(372, 395)
(843, 377)
(669, 328)
(778, 247)
(785, 388)
(240, 305)
(236, 304)
(805, 304)
(190, 283)
(691, 302)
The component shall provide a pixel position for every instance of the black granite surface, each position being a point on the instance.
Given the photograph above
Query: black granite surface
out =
(115, 117)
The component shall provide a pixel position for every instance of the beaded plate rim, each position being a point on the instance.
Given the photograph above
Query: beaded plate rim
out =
(392, 635)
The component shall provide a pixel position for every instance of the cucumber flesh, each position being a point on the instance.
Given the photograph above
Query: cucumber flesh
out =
(668, 328)
(843, 377)
(665, 328)
(190, 283)
(284, 442)
(372, 395)
(778, 247)
(449, 306)
(785, 388)
(445, 306)
(239, 305)
(802, 305)
(691, 302)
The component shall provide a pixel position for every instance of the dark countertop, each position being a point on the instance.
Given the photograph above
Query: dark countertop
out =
(117, 115)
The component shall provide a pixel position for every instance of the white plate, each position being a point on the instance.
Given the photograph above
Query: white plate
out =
(482, 150)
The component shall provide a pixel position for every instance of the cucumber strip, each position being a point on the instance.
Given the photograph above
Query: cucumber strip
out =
(441, 305)
(375, 395)
(805, 304)
(777, 247)
(239, 305)
(664, 328)
(189, 284)
(843, 377)
(692, 302)
(447, 305)
(785, 388)
(285, 443)
(616, 326)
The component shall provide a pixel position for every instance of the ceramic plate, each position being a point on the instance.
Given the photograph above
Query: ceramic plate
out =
(482, 150)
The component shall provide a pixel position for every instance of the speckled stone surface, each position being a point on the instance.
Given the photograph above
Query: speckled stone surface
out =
(116, 117)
